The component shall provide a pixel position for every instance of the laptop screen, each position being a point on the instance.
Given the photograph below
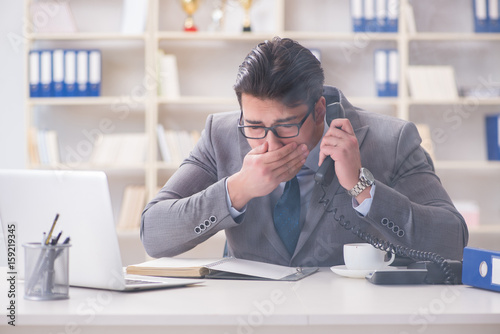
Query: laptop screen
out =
(30, 199)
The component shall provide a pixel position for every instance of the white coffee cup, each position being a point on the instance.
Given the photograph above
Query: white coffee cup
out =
(363, 256)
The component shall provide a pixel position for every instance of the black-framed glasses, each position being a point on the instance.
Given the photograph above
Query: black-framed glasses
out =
(280, 130)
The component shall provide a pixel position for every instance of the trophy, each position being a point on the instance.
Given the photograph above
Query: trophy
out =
(246, 23)
(190, 6)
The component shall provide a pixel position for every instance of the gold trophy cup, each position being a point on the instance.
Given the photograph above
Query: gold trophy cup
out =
(247, 4)
(190, 6)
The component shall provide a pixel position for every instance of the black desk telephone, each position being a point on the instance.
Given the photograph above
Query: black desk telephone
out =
(429, 268)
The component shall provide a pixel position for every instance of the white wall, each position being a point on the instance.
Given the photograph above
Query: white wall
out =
(12, 137)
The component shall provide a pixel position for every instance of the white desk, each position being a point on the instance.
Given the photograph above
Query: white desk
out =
(323, 302)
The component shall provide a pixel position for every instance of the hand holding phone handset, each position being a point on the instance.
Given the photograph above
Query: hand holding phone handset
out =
(447, 271)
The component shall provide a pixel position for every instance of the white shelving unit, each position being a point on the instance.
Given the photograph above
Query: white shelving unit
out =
(208, 61)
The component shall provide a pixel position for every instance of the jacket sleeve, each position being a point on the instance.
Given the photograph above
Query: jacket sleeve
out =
(191, 207)
(411, 207)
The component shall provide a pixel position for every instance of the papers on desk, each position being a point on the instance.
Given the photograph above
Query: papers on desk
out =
(229, 268)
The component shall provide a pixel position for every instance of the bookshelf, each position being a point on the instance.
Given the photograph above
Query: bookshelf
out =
(208, 61)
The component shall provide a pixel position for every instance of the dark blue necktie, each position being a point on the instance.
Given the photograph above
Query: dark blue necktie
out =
(287, 214)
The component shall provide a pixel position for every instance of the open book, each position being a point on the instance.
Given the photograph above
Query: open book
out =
(230, 268)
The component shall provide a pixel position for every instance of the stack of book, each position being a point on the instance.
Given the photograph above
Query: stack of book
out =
(43, 147)
(133, 203)
(375, 15)
(64, 73)
(175, 145)
(486, 16)
(386, 66)
(432, 82)
(120, 149)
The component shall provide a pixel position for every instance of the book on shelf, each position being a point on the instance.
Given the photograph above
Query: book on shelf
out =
(493, 136)
(134, 16)
(386, 65)
(120, 149)
(43, 147)
(375, 15)
(133, 203)
(486, 16)
(229, 267)
(168, 75)
(175, 145)
(432, 82)
(64, 73)
(49, 16)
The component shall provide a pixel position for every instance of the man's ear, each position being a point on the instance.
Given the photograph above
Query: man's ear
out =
(320, 110)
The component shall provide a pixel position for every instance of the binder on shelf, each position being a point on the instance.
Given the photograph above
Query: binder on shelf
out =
(493, 136)
(82, 73)
(381, 71)
(95, 73)
(493, 16)
(481, 268)
(46, 73)
(34, 73)
(480, 8)
(393, 73)
(58, 72)
(70, 73)
(357, 16)
(392, 16)
(375, 15)
(381, 15)
(370, 20)
(386, 66)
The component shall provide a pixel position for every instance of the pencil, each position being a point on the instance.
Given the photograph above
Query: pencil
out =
(51, 230)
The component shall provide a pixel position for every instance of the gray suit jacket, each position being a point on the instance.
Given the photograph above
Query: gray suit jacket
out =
(409, 208)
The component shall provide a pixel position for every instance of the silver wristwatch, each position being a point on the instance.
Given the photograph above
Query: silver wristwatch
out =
(366, 179)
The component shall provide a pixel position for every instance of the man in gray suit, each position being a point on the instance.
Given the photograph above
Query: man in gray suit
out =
(384, 185)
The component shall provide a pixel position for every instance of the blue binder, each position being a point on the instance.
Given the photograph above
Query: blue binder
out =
(82, 73)
(381, 64)
(481, 268)
(58, 72)
(69, 86)
(493, 136)
(392, 72)
(34, 73)
(358, 23)
(369, 16)
(381, 15)
(481, 20)
(392, 16)
(493, 16)
(46, 73)
(95, 73)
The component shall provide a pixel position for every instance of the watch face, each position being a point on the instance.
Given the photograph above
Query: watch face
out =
(367, 175)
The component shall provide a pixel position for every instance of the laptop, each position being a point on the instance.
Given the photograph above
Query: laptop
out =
(30, 199)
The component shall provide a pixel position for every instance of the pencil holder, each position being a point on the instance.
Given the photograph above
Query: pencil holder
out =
(47, 271)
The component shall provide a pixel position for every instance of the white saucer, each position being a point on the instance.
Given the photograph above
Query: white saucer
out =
(343, 271)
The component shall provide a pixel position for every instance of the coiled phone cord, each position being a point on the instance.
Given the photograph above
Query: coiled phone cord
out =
(417, 255)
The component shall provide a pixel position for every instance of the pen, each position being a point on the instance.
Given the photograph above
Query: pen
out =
(54, 241)
(51, 230)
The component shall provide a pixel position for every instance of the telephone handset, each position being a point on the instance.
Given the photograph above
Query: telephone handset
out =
(437, 269)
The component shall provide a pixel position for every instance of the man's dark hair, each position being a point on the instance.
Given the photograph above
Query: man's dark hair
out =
(282, 70)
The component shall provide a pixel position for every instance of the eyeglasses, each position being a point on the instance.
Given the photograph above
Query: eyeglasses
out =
(280, 130)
